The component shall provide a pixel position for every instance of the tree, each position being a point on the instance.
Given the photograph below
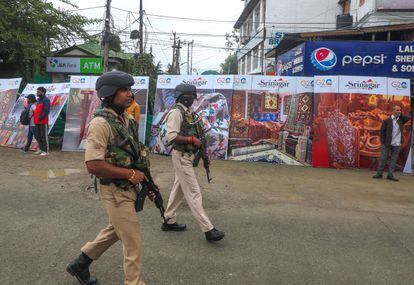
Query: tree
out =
(229, 66)
(144, 65)
(232, 40)
(30, 29)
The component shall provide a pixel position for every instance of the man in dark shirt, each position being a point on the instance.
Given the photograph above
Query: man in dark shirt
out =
(391, 140)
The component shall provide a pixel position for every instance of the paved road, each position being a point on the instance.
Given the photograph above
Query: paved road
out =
(284, 225)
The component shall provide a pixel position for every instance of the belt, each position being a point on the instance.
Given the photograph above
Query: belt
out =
(108, 182)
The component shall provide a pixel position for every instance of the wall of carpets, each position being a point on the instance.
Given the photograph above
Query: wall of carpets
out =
(323, 121)
(13, 134)
(84, 102)
(271, 120)
(213, 105)
(8, 95)
(348, 113)
(249, 118)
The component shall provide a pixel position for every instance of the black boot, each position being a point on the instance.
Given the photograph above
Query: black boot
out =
(173, 227)
(79, 267)
(214, 235)
(392, 178)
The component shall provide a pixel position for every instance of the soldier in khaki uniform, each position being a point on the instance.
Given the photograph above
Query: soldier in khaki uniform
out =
(182, 135)
(106, 160)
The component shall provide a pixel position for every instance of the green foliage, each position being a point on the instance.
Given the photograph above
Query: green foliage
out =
(232, 40)
(229, 66)
(144, 66)
(30, 29)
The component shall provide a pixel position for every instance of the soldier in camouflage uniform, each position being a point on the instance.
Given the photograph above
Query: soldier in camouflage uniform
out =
(109, 159)
(182, 135)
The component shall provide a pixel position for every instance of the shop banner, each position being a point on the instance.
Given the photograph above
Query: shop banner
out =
(292, 63)
(326, 84)
(347, 123)
(8, 94)
(81, 65)
(82, 97)
(83, 104)
(271, 119)
(140, 91)
(360, 58)
(363, 85)
(399, 86)
(16, 134)
(212, 105)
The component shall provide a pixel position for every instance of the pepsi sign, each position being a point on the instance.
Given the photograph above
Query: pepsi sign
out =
(359, 58)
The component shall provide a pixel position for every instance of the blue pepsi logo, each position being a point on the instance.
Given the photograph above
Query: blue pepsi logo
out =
(324, 59)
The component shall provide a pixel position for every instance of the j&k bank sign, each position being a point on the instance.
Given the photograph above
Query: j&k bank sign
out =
(74, 65)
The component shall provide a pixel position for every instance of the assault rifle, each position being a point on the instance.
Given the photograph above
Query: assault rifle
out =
(146, 186)
(202, 152)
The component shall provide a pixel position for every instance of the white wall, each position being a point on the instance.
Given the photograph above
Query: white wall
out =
(280, 15)
(359, 12)
(395, 4)
(305, 13)
(371, 15)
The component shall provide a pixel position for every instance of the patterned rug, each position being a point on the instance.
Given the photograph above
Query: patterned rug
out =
(286, 104)
(304, 108)
(343, 140)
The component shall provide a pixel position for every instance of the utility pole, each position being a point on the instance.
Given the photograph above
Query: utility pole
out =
(188, 58)
(177, 57)
(141, 30)
(173, 57)
(106, 35)
(191, 64)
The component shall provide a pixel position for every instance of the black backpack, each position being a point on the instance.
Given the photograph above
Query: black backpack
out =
(24, 116)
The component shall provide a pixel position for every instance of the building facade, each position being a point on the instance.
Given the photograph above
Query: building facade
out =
(368, 13)
(264, 23)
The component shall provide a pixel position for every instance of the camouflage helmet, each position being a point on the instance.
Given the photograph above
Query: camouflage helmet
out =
(185, 89)
(109, 82)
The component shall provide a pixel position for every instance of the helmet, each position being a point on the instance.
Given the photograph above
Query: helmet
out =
(185, 89)
(109, 82)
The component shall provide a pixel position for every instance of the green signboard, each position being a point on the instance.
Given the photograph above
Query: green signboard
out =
(91, 65)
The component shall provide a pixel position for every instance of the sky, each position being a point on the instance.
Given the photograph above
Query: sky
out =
(208, 50)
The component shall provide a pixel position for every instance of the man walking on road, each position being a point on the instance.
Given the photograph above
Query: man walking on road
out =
(107, 158)
(391, 139)
(181, 133)
(41, 119)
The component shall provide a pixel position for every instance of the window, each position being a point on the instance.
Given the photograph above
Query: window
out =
(261, 56)
(248, 63)
(255, 56)
(242, 65)
(249, 26)
(256, 18)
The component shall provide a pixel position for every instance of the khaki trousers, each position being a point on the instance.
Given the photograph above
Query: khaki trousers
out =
(123, 225)
(186, 186)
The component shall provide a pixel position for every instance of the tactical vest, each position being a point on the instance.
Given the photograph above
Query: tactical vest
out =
(187, 129)
(125, 150)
